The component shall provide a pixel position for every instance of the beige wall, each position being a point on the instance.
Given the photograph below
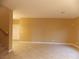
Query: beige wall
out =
(48, 30)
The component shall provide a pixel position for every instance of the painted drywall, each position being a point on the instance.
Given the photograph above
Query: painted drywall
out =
(47, 30)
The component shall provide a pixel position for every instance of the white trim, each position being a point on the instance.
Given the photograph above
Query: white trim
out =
(41, 42)
(26, 42)
(76, 46)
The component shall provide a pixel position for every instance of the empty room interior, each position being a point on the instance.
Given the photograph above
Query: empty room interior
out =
(39, 29)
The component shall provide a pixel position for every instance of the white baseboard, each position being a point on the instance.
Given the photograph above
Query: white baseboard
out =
(76, 46)
(71, 44)
(41, 42)
(26, 42)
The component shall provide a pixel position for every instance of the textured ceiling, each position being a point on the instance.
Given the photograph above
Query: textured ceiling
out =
(44, 8)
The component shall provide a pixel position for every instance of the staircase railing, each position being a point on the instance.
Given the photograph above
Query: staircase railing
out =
(5, 33)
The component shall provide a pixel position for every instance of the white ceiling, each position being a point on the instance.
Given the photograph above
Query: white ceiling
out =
(44, 8)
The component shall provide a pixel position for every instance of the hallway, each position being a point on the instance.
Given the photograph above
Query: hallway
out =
(42, 51)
